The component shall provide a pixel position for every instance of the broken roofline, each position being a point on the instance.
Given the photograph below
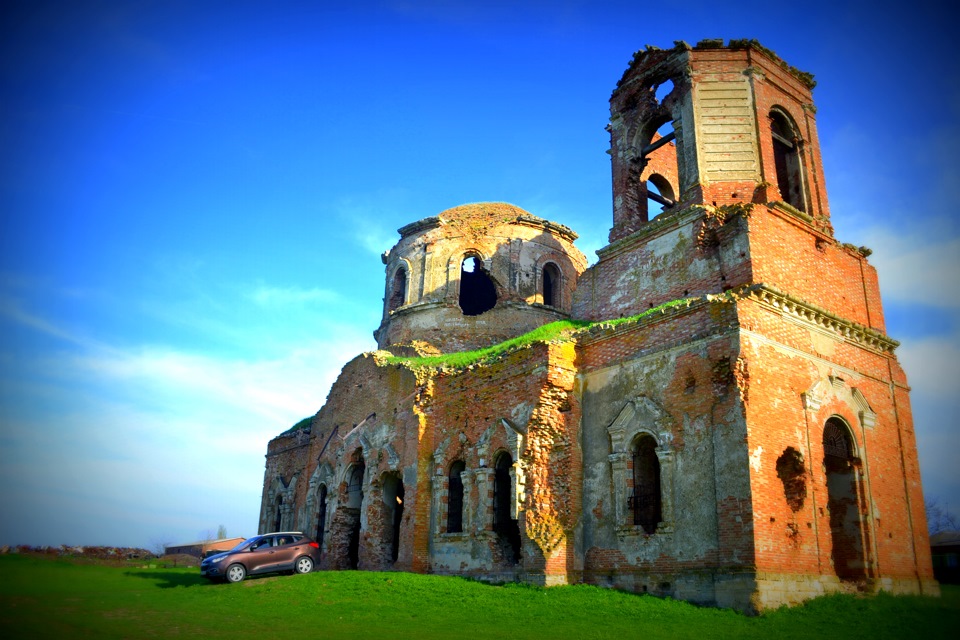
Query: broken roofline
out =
(804, 77)
(765, 294)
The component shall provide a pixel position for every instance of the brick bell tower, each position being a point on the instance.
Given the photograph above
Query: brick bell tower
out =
(719, 201)
(714, 125)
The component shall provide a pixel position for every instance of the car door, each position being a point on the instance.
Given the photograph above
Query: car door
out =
(261, 557)
(287, 550)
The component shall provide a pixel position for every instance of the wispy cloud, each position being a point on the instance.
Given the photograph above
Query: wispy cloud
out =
(267, 296)
(180, 429)
(919, 266)
(932, 364)
(275, 390)
(13, 311)
(372, 220)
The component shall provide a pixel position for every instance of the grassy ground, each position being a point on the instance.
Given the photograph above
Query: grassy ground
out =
(41, 598)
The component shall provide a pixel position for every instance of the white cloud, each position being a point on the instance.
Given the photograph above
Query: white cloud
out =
(275, 390)
(375, 238)
(922, 266)
(932, 364)
(182, 432)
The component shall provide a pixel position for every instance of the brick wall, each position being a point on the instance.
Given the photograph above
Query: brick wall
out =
(788, 359)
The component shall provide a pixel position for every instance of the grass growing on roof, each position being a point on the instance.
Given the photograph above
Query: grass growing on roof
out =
(554, 331)
(303, 424)
(559, 330)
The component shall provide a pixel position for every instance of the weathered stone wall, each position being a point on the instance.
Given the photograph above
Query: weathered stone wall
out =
(368, 418)
(395, 423)
(668, 376)
(286, 460)
(678, 255)
(782, 438)
(513, 246)
(522, 405)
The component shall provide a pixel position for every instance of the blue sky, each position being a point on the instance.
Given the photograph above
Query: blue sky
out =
(194, 201)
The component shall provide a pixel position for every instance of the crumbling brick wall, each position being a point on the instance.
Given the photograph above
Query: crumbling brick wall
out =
(687, 449)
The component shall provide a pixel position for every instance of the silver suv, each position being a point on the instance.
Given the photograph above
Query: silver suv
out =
(268, 553)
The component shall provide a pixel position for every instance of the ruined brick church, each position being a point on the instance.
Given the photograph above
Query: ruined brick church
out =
(722, 420)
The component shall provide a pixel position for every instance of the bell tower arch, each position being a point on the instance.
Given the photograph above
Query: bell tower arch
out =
(740, 128)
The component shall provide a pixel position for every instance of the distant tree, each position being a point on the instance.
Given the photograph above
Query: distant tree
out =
(207, 535)
(159, 545)
(221, 532)
(939, 516)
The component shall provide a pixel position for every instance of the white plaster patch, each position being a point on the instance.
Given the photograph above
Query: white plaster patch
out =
(755, 459)
(520, 414)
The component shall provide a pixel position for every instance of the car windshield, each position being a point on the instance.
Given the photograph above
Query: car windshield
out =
(243, 545)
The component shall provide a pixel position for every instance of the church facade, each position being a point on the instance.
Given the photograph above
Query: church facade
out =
(719, 416)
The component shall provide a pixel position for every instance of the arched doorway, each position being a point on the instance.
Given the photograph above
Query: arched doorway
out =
(393, 513)
(321, 515)
(843, 501)
(506, 528)
(279, 518)
(354, 508)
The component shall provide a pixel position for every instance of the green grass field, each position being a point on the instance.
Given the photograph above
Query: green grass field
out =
(41, 598)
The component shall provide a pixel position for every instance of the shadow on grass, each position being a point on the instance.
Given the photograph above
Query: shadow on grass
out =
(170, 579)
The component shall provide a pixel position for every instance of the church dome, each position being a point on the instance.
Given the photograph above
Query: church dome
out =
(475, 275)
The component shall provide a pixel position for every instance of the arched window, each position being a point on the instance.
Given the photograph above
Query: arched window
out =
(837, 448)
(279, 519)
(658, 133)
(506, 528)
(455, 498)
(478, 294)
(660, 191)
(355, 487)
(646, 501)
(551, 285)
(398, 292)
(786, 158)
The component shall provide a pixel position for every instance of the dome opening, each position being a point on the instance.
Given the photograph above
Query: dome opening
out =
(478, 294)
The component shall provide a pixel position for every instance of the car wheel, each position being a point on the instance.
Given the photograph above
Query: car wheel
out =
(304, 565)
(236, 573)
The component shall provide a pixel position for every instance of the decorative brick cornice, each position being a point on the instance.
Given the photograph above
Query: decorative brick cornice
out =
(767, 296)
(852, 332)
(419, 225)
(553, 227)
(519, 217)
